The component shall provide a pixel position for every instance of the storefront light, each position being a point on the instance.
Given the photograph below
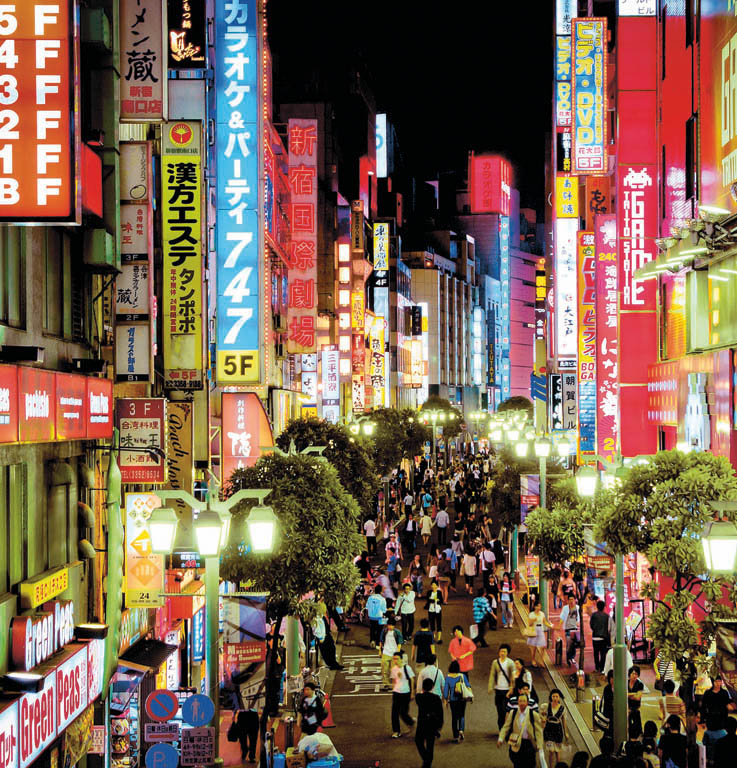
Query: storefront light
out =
(90, 631)
(344, 343)
(22, 682)
(344, 298)
(344, 274)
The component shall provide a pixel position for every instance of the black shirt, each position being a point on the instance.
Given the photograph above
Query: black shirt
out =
(429, 711)
(423, 639)
(724, 751)
(673, 746)
(714, 708)
(637, 686)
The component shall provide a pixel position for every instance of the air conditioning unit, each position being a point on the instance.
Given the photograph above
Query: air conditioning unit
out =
(95, 28)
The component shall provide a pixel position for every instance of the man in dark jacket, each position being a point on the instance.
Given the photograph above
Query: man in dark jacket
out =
(312, 709)
(429, 721)
(599, 623)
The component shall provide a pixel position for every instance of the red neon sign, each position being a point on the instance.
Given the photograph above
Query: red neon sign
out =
(490, 184)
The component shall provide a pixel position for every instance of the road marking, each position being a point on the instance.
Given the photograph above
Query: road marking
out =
(341, 695)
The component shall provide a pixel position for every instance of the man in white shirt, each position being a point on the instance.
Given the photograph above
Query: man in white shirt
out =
(409, 500)
(609, 661)
(501, 676)
(487, 565)
(570, 622)
(369, 528)
(431, 672)
(406, 609)
(401, 675)
(441, 521)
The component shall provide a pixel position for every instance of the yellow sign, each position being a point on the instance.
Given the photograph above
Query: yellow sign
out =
(238, 366)
(566, 197)
(181, 182)
(144, 571)
(43, 588)
(358, 311)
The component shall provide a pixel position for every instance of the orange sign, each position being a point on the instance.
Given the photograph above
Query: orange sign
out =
(38, 148)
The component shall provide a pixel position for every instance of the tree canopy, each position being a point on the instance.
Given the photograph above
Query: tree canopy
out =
(516, 403)
(318, 539)
(504, 486)
(661, 510)
(451, 427)
(351, 456)
(397, 434)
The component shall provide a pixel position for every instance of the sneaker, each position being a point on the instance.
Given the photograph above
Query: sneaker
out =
(461, 736)
(372, 644)
(396, 735)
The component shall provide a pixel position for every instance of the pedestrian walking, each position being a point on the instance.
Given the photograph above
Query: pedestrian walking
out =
(462, 649)
(431, 671)
(555, 726)
(453, 696)
(376, 610)
(416, 572)
(246, 723)
(481, 612)
(673, 745)
(369, 528)
(469, 569)
(426, 526)
(486, 562)
(401, 676)
(506, 597)
(539, 641)
(671, 704)
(442, 521)
(423, 644)
(599, 623)
(522, 730)
(444, 575)
(635, 689)
(311, 709)
(410, 533)
(406, 609)
(429, 721)
(570, 622)
(434, 607)
(390, 642)
(322, 634)
(501, 676)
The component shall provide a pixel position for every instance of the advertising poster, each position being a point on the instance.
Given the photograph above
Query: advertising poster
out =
(141, 422)
(187, 43)
(181, 171)
(238, 137)
(529, 494)
(143, 73)
(144, 571)
(245, 431)
(490, 181)
(132, 352)
(566, 294)
(244, 645)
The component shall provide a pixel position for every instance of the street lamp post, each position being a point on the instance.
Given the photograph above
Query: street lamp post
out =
(434, 416)
(543, 447)
(211, 529)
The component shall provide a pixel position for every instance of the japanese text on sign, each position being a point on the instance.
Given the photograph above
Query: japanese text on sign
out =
(302, 311)
(37, 139)
(638, 209)
(588, 38)
(198, 746)
(141, 425)
(143, 75)
(238, 144)
(565, 286)
(566, 197)
(182, 238)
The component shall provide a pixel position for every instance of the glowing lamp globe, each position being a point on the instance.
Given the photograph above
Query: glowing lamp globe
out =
(262, 525)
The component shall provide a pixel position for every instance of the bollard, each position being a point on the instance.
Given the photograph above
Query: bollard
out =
(580, 684)
(559, 652)
(594, 708)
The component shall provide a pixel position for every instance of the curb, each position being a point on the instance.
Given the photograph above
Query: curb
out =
(587, 740)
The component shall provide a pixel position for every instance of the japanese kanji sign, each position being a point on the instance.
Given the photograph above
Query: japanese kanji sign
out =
(588, 38)
(569, 408)
(377, 366)
(40, 146)
(141, 424)
(563, 58)
(186, 34)
(238, 138)
(566, 197)
(607, 376)
(565, 287)
(144, 571)
(330, 384)
(245, 429)
(181, 182)
(586, 342)
(198, 746)
(302, 312)
(143, 67)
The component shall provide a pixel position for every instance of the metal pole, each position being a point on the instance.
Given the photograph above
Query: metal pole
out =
(435, 448)
(513, 554)
(620, 660)
(293, 668)
(543, 504)
(212, 659)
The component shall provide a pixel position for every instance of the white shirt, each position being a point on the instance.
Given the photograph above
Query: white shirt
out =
(609, 661)
(487, 560)
(406, 601)
(401, 677)
(442, 519)
(502, 683)
(318, 744)
(433, 673)
(370, 527)
(409, 500)
(390, 644)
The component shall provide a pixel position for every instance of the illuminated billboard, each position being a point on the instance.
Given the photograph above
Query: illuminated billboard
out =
(490, 184)
(505, 280)
(588, 95)
(566, 277)
(381, 146)
(40, 145)
(563, 58)
(239, 239)
(566, 197)
(565, 11)
(143, 74)
(586, 343)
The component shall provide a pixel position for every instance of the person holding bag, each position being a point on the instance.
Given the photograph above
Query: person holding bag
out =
(454, 693)
(555, 730)
(535, 634)
(522, 730)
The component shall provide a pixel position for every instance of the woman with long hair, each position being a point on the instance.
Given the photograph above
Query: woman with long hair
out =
(555, 727)
(454, 698)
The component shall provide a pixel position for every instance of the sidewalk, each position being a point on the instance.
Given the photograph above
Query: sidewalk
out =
(565, 677)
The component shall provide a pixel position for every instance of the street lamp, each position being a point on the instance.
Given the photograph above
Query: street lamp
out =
(586, 479)
(521, 447)
(262, 528)
(543, 448)
(162, 525)
(719, 541)
(211, 526)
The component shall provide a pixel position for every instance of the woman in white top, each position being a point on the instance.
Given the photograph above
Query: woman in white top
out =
(469, 570)
(538, 642)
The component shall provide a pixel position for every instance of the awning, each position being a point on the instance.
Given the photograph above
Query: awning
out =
(147, 655)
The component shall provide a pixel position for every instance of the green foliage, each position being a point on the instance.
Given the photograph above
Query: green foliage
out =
(318, 539)
(516, 403)
(504, 486)
(451, 427)
(349, 455)
(397, 434)
(559, 535)
(661, 509)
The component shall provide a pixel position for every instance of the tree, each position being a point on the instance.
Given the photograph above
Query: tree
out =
(504, 486)
(351, 457)
(516, 403)
(660, 510)
(451, 426)
(318, 539)
(398, 434)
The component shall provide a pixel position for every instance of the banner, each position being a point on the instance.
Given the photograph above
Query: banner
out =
(144, 571)
(181, 171)
(143, 75)
(179, 457)
(566, 278)
(529, 494)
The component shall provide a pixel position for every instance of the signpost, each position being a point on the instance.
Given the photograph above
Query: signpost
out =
(161, 705)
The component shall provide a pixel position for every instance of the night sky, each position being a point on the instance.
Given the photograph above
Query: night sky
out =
(452, 76)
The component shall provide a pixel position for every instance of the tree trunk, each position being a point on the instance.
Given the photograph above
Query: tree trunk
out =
(271, 683)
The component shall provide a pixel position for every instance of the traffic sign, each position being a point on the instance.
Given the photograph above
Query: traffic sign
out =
(161, 705)
(198, 710)
(162, 756)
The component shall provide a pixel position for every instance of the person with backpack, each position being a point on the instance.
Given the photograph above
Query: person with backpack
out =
(390, 642)
(453, 693)
(429, 721)
(401, 675)
(522, 730)
(376, 610)
(312, 709)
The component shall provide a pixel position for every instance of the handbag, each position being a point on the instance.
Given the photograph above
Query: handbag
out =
(528, 631)
(466, 692)
(601, 721)
(233, 730)
(473, 631)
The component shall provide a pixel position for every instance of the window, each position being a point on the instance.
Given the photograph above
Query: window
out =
(13, 526)
(12, 283)
(54, 305)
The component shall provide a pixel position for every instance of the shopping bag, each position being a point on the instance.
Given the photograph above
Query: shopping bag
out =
(473, 631)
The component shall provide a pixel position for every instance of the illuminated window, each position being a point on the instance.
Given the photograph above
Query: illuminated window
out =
(344, 253)
(344, 275)
(344, 298)
(344, 343)
(344, 320)
(345, 366)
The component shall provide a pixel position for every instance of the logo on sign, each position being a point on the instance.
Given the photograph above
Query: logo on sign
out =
(99, 407)
(37, 404)
(181, 134)
(35, 638)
